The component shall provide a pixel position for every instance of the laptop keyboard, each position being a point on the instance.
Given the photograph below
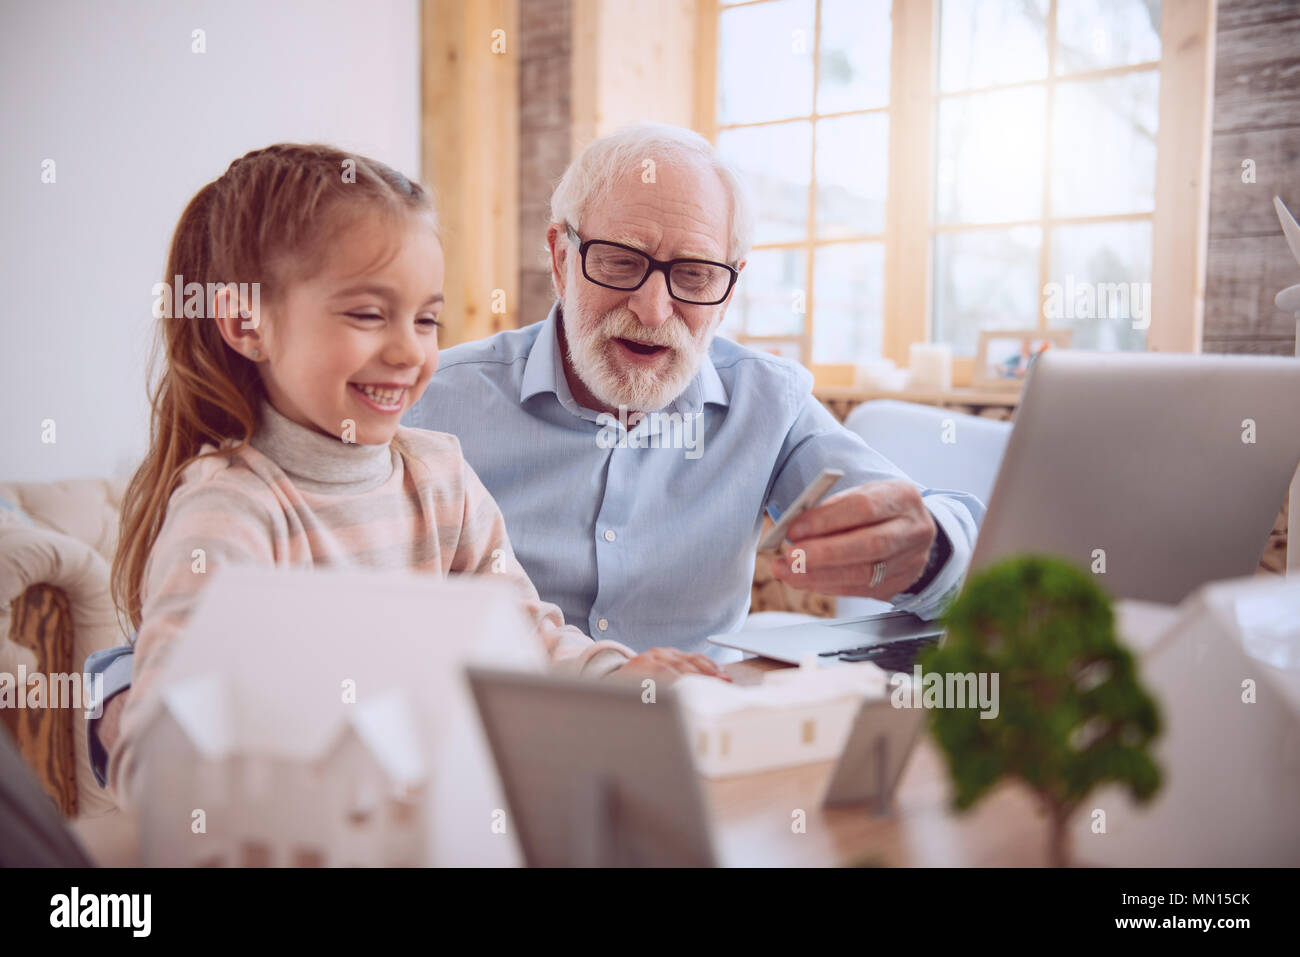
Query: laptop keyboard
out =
(891, 655)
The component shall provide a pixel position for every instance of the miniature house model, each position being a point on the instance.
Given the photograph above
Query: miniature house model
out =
(345, 790)
(306, 719)
(794, 717)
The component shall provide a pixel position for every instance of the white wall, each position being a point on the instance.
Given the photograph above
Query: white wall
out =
(136, 123)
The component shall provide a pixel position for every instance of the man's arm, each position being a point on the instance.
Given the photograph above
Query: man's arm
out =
(924, 536)
(114, 665)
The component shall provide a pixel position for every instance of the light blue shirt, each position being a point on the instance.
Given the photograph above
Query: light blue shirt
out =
(656, 545)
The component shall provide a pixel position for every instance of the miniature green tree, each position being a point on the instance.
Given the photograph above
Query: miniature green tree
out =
(1072, 713)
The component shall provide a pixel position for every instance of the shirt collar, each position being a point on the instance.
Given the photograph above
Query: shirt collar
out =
(544, 372)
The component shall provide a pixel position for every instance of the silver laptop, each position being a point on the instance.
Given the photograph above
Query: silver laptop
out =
(1168, 468)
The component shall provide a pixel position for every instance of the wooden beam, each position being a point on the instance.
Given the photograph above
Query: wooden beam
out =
(584, 70)
(706, 69)
(633, 61)
(469, 136)
(1182, 193)
(908, 202)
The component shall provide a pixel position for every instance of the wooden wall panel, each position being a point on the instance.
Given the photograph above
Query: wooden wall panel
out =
(545, 119)
(1249, 272)
(1258, 75)
(1256, 117)
(1239, 208)
(1238, 13)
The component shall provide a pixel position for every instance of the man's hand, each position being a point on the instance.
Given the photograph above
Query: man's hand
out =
(836, 544)
(110, 720)
(666, 665)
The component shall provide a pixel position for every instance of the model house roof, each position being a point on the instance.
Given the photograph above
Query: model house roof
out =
(283, 662)
(220, 720)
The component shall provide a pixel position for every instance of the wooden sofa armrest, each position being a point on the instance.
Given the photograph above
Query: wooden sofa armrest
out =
(42, 621)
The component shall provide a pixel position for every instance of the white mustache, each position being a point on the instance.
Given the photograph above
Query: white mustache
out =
(622, 324)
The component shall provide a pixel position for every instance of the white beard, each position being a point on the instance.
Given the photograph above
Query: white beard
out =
(591, 354)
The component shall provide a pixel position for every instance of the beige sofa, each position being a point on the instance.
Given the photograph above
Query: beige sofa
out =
(55, 609)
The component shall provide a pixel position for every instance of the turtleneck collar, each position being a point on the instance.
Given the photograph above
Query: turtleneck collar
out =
(319, 463)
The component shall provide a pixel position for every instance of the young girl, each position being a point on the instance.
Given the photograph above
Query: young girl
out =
(275, 438)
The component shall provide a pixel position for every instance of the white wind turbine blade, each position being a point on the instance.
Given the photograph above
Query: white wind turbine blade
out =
(1289, 227)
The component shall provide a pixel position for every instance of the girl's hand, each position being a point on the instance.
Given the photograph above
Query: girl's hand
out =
(669, 664)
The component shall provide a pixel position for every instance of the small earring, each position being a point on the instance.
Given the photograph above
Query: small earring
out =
(257, 353)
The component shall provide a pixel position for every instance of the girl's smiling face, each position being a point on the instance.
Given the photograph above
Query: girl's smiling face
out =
(347, 351)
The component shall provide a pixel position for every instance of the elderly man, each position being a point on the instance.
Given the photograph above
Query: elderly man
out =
(643, 527)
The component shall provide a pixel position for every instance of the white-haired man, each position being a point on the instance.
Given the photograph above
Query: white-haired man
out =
(634, 454)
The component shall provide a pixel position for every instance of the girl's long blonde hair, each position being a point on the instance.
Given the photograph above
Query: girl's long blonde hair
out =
(266, 220)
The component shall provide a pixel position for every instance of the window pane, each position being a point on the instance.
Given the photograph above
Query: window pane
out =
(776, 162)
(987, 42)
(984, 279)
(855, 45)
(852, 167)
(1094, 34)
(770, 294)
(849, 302)
(765, 61)
(1100, 284)
(1104, 146)
(990, 157)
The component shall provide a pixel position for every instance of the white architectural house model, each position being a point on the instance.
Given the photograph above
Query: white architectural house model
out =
(362, 773)
(795, 716)
(317, 719)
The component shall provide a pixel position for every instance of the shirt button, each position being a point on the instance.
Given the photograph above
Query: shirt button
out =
(609, 535)
(603, 624)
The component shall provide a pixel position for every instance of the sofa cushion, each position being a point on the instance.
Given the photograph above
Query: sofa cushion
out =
(85, 509)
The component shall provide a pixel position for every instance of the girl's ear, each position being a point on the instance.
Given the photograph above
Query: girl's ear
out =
(238, 314)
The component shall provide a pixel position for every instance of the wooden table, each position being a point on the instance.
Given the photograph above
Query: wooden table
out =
(753, 814)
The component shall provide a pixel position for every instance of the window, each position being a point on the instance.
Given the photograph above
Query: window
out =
(929, 169)
(1046, 120)
(803, 110)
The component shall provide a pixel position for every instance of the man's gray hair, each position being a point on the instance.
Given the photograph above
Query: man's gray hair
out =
(604, 161)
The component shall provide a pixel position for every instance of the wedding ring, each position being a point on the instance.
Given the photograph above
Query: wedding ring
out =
(877, 574)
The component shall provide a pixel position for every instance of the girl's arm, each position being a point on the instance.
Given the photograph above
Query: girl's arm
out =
(208, 525)
(483, 548)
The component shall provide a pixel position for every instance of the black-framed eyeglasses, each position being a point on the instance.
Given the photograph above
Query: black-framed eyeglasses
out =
(699, 282)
